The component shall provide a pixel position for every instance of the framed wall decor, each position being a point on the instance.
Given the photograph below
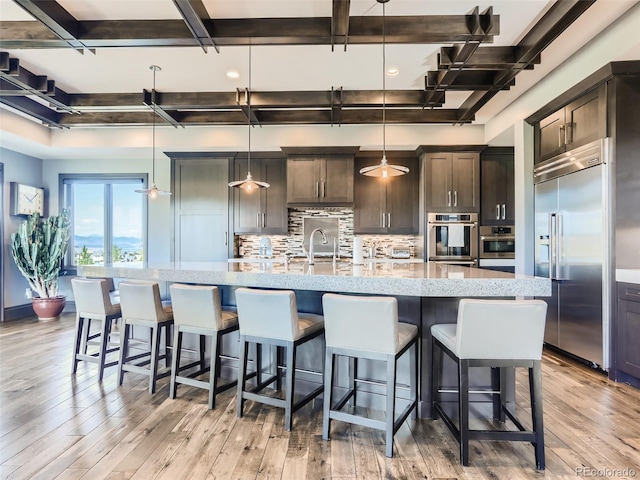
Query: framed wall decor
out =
(26, 199)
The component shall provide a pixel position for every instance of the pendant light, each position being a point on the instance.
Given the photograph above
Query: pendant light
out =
(153, 191)
(384, 169)
(249, 184)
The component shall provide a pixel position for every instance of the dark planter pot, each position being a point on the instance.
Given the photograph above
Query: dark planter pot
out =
(49, 308)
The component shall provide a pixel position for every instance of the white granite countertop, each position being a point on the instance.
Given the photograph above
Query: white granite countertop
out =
(410, 279)
(631, 275)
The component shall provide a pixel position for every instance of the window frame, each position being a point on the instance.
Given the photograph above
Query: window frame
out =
(66, 180)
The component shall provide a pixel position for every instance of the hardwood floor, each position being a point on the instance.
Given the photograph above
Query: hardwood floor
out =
(57, 425)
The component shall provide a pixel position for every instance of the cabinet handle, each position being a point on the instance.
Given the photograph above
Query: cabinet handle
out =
(258, 219)
(225, 239)
(264, 220)
(323, 188)
(504, 211)
(497, 211)
(389, 220)
(455, 198)
(561, 133)
(317, 187)
(568, 133)
(382, 222)
(449, 198)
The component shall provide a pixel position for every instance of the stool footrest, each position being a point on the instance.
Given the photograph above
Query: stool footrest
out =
(358, 420)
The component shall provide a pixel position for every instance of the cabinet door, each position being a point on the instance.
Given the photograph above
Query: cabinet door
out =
(550, 136)
(273, 202)
(438, 195)
(585, 119)
(369, 202)
(402, 201)
(303, 183)
(628, 329)
(247, 205)
(497, 195)
(336, 180)
(466, 182)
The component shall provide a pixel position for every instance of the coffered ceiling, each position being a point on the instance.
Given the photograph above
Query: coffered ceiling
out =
(81, 63)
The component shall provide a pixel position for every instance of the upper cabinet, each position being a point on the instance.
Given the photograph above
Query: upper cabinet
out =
(386, 205)
(497, 186)
(320, 175)
(578, 123)
(262, 211)
(452, 181)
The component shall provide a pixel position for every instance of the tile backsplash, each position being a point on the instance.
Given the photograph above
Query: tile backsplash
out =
(291, 244)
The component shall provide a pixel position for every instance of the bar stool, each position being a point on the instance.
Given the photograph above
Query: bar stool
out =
(269, 317)
(114, 296)
(197, 309)
(498, 334)
(367, 327)
(141, 305)
(93, 303)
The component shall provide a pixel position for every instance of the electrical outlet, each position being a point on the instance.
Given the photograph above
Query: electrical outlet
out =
(28, 294)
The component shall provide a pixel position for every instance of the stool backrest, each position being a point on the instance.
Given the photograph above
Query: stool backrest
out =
(267, 313)
(360, 322)
(501, 329)
(91, 296)
(196, 306)
(140, 300)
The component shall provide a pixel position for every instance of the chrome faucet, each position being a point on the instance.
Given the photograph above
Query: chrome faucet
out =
(324, 242)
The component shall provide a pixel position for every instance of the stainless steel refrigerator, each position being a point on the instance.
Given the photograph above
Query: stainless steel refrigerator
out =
(573, 234)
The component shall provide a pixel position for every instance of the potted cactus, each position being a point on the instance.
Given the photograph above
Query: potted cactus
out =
(38, 247)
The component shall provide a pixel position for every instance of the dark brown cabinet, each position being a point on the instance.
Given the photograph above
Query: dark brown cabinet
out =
(578, 123)
(452, 182)
(497, 195)
(386, 205)
(314, 180)
(627, 352)
(261, 211)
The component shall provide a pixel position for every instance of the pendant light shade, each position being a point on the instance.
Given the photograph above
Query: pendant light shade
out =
(153, 191)
(249, 184)
(383, 169)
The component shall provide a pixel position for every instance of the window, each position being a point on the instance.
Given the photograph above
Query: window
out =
(107, 219)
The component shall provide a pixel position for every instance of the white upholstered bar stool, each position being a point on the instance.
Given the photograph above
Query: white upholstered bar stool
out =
(142, 306)
(498, 334)
(197, 310)
(270, 317)
(93, 302)
(367, 327)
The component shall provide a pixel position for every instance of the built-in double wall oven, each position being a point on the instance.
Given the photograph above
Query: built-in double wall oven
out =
(453, 238)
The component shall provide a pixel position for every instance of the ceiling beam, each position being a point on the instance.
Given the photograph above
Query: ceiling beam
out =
(561, 14)
(33, 109)
(257, 31)
(485, 58)
(194, 14)
(340, 22)
(55, 18)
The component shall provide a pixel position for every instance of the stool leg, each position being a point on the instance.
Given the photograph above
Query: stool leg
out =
(535, 389)
(213, 369)
(167, 346)
(290, 382)
(242, 374)
(155, 353)
(77, 341)
(352, 381)
(463, 407)
(436, 357)
(328, 392)
(86, 331)
(124, 350)
(175, 361)
(201, 351)
(391, 403)
(413, 368)
(105, 326)
(258, 363)
(503, 394)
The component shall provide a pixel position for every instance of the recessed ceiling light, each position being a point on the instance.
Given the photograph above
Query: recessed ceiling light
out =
(393, 71)
(233, 74)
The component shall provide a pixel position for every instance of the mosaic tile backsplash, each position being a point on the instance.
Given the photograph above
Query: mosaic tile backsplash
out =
(291, 244)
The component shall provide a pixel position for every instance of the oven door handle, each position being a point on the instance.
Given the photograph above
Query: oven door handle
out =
(444, 224)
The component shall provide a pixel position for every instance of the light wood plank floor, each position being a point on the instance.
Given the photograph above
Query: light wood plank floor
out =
(57, 425)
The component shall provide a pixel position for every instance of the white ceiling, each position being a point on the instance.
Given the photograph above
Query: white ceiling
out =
(286, 68)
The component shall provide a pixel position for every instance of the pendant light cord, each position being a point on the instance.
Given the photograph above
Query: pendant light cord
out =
(384, 87)
(155, 68)
(249, 116)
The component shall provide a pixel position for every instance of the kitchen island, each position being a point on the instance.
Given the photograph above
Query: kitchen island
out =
(427, 293)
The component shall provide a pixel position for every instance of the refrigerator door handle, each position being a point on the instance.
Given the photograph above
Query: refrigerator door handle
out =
(552, 246)
(558, 238)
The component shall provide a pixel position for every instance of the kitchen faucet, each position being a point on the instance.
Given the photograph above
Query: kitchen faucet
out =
(324, 242)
